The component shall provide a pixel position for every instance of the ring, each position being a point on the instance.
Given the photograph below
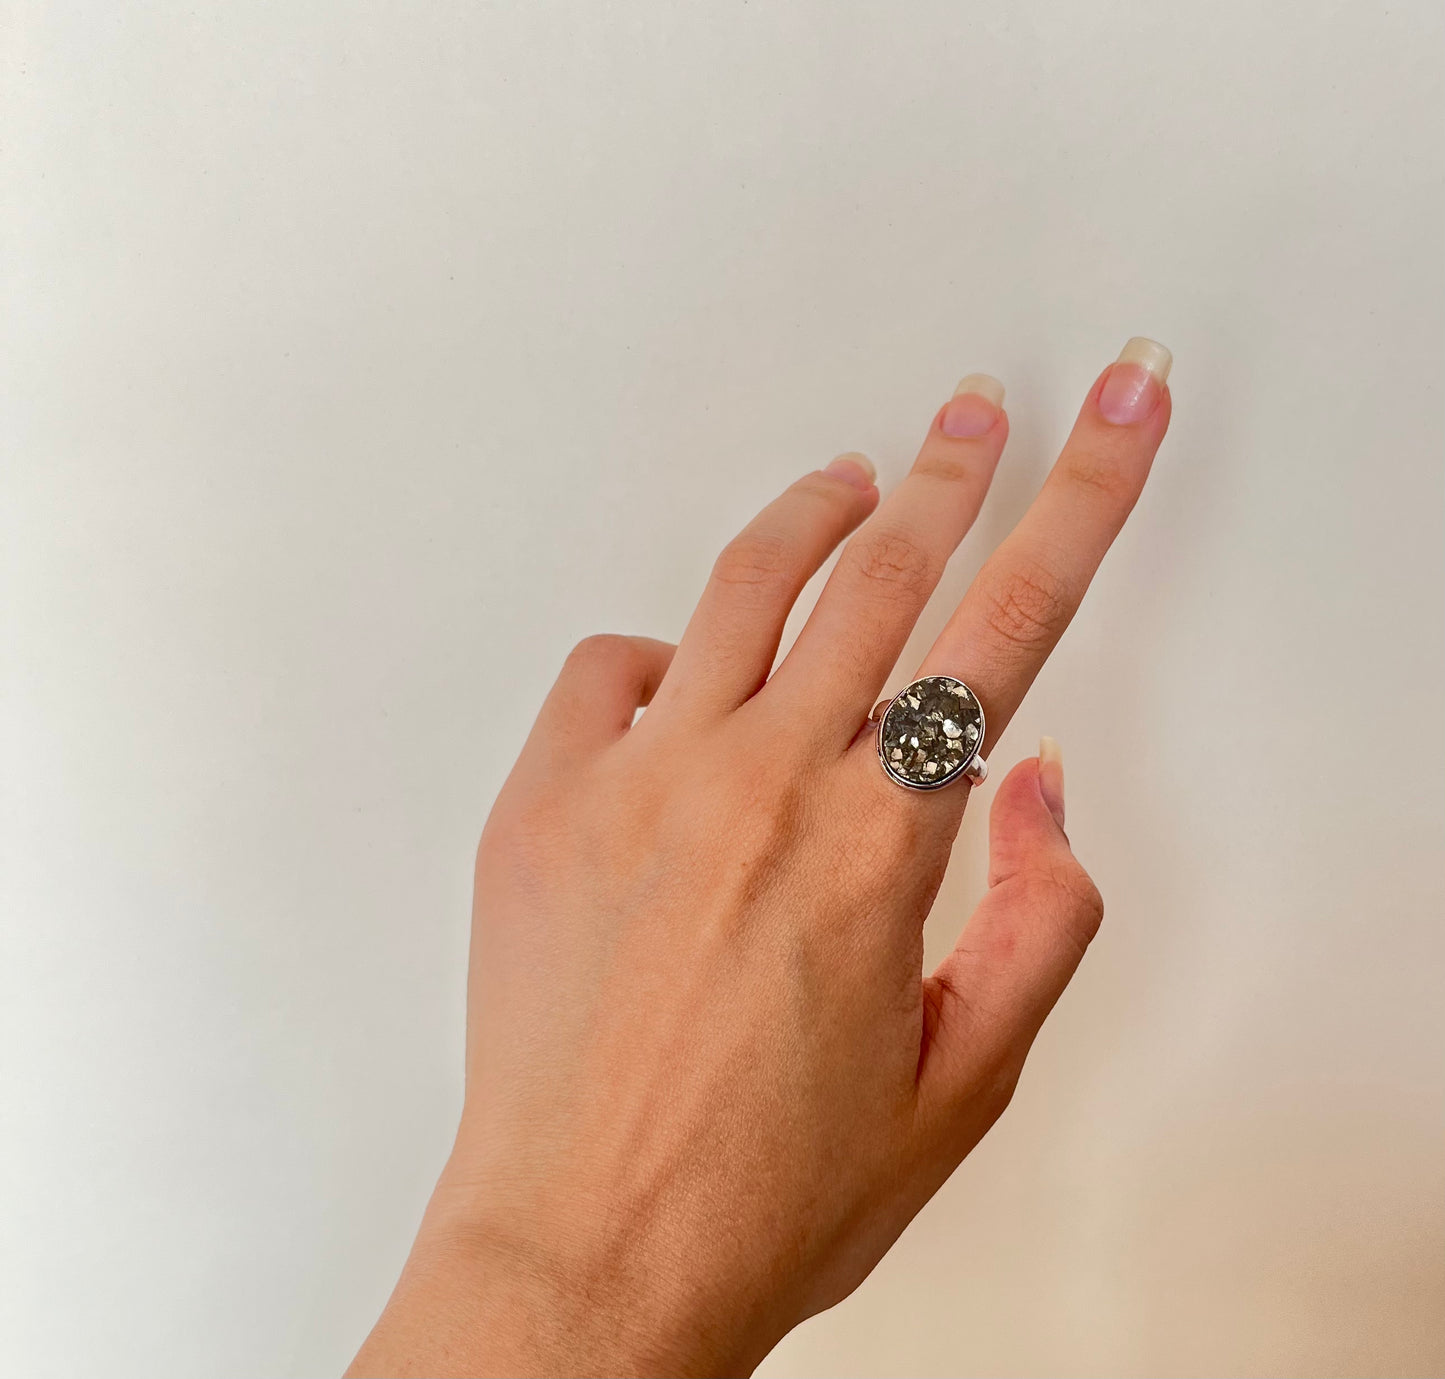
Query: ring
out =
(930, 732)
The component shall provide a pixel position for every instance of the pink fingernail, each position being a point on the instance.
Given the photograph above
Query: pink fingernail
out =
(1135, 382)
(974, 408)
(853, 468)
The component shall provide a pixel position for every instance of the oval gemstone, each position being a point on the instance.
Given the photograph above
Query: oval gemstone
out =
(931, 731)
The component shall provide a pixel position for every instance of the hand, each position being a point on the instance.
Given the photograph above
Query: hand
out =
(707, 1082)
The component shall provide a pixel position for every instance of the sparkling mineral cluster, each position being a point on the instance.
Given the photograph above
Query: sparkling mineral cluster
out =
(931, 731)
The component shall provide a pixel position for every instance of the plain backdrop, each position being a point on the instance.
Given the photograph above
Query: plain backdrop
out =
(359, 358)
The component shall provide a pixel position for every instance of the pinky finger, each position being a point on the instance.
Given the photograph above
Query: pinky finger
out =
(603, 682)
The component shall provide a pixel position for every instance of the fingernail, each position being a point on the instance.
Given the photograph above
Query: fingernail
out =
(853, 468)
(1051, 777)
(1136, 382)
(974, 407)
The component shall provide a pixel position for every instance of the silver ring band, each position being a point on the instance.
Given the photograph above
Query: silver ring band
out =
(930, 733)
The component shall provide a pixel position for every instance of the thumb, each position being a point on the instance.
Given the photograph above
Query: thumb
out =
(988, 997)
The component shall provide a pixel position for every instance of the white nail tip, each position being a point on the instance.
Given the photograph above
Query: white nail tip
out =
(858, 458)
(1148, 354)
(981, 385)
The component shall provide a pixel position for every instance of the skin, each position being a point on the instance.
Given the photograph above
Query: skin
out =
(708, 1083)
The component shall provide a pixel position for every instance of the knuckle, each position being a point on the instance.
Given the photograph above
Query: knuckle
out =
(938, 464)
(998, 1088)
(525, 838)
(779, 810)
(1087, 909)
(763, 816)
(1070, 897)
(766, 790)
(1102, 473)
(981, 1097)
(1029, 608)
(750, 559)
(894, 563)
(826, 491)
(894, 827)
(599, 650)
(901, 829)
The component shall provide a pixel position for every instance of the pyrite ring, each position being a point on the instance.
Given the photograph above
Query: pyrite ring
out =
(930, 732)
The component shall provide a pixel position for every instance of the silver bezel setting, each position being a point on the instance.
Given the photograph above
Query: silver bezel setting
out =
(972, 768)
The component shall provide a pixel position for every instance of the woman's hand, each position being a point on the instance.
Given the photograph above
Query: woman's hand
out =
(707, 1081)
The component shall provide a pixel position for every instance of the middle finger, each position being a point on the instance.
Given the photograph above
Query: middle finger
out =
(887, 571)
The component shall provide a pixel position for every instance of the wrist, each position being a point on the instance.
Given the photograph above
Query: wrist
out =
(476, 1297)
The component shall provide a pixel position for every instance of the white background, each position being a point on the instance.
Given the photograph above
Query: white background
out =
(360, 358)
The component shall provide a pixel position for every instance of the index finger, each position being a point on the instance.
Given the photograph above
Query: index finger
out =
(1028, 591)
